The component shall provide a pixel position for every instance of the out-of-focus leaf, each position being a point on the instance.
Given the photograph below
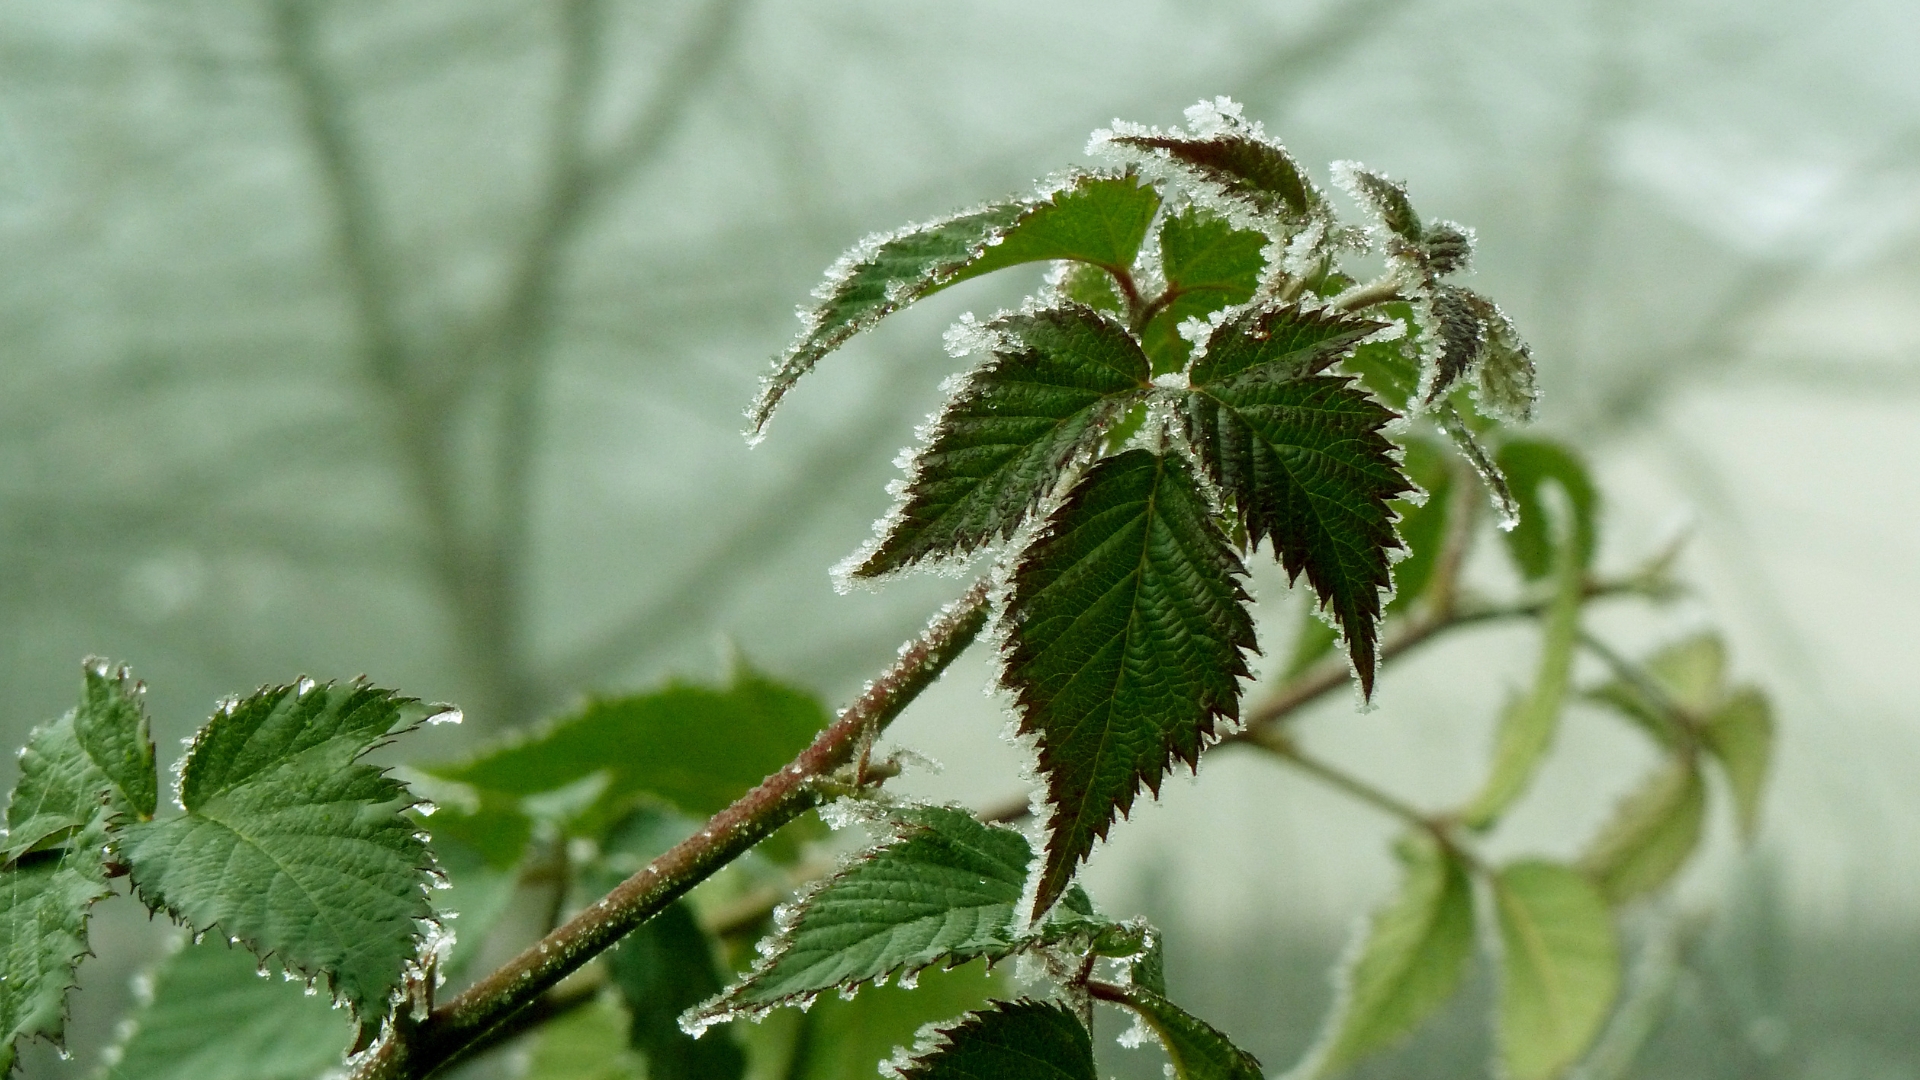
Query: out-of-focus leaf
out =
(1528, 465)
(1651, 834)
(1740, 734)
(589, 1043)
(663, 969)
(1559, 967)
(847, 1040)
(1017, 1040)
(1423, 528)
(1129, 633)
(208, 1015)
(478, 895)
(1411, 959)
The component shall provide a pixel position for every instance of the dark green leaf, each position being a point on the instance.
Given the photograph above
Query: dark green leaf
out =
(1476, 455)
(1385, 199)
(942, 892)
(1097, 219)
(696, 747)
(1196, 1049)
(1010, 1040)
(1529, 464)
(1208, 265)
(79, 780)
(663, 969)
(1559, 967)
(1234, 156)
(1414, 954)
(1740, 734)
(1128, 635)
(208, 1015)
(1423, 528)
(1457, 320)
(293, 846)
(1149, 970)
(1651, 834)
(1057, 379)
(1303, 459)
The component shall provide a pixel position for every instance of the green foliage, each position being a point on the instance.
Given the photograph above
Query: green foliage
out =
(1208, 265)
(1410, 959)
(1529, 464)
(1130, 640)
(848, 1040)
(589, 1043)
(209, 1015)
(1196, 1049)
(1559, 967)
(1022, 1038)
(663, 969)
(1651, 835)
(293, 846)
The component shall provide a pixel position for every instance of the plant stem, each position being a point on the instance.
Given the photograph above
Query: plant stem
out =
(1281, 746)
(417, 1051)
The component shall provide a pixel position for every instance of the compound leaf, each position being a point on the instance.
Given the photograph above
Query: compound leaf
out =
(79, 782)
(1560, 967)
(294, 846)
(1301, 455)
(1128, 635)
(1208, 265)
(942, 892)
(1028, 1039)
(1651, 834)
(1740, 734)
(1096, 219)
(1057, 379)
(1196, 1049)
(1411, 959)
(208, 1015)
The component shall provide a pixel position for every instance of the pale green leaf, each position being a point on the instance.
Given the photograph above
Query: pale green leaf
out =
(1740, 735)
(1530, 464)
(1559, 967)
(293, 846)
(207, 1014)
(1009, 1040)
(1652, 833)
(1128, 639)
(1196, 1049)
(1409, 961)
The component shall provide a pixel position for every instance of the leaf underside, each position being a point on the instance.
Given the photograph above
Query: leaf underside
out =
(1302, 457)
(293, 846)
(1414, 955)
(1059, 379)
(943, 893)
(1196, 1049)
(1027, 1039)
(1256, 170)
(1128, 639)
(1560, 967)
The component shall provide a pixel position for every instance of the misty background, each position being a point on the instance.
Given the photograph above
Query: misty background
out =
(412, 340)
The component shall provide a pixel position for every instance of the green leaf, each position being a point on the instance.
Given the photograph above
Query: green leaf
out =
(1208, 265)
(1529, 464)
(1389, 368)
(1086, 284)
(589, 1043)
(208, 1015)
(1409, 962)
(1235, 157)
(1128, 635)
(1057, 380)
(1149, 969)
(1301, 455)
(1423, 528)
(848, 1040)
(695, 747)
(1682, 683)
(1651, 835)
(663, 969)
(478, 896)
(1196, 1049)
(293, 846)
(1559, 970)
(1457, 322)
(943, 891)
(1507, 388)
(1740, 734)
(1094, 218)
(79, 780)
(1027, 1039)
(1385, 199)
(1469, 447)
(1528, 724)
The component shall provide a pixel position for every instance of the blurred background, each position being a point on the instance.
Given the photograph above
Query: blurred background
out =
(412, 340)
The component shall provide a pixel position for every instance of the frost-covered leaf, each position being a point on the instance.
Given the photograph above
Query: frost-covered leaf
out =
(696, 747)
(1095, 219)
(1389, 368)
(1410, 959)
(943, 891)
(1057, 379)
(1559, 967)
(1228, 153)
(1127, 640)
(1740, 734)
(1196, 1049)
(291, 844)
(1384, 198)
(663, 969)
(1302, 457)
(1528, 465)
(1468, 445)
(1507, 388)
(1208, 265)
(1025, 1039)
(1423, 528)
(1651, 834)
(79, 782)
(207, 1014)
(1528, 724)
(1456, 320)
